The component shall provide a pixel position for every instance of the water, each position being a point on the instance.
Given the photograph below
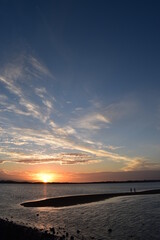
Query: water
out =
(135, 217)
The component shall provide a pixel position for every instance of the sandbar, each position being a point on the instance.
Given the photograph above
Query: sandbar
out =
(83, 199)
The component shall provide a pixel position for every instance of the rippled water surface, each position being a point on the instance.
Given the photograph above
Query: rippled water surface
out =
(130, 217)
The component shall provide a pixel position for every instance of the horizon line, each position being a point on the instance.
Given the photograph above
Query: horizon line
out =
(39, 182)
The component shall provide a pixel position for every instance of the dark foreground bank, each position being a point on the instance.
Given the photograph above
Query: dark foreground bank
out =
(82, 199)
(13, 231)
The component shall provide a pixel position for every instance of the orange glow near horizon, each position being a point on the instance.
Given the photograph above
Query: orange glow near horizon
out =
(45, 177)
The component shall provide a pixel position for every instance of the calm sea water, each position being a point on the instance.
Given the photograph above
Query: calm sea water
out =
(135, 217)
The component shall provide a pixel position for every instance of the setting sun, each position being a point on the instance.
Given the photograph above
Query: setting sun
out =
(45, 177)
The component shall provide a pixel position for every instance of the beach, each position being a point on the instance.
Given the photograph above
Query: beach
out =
(83, 199)
(10, 230)
(87, 211)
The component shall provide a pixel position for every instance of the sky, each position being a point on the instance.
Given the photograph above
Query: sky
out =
(79, 90)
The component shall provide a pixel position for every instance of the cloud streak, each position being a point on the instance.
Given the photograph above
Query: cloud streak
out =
(35, 140)
(51, 139)
(142, 164)
(39, 68)
(11, 76)
(63, 159)
(92, 121)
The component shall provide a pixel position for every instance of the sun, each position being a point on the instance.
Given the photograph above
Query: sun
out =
(46, 177)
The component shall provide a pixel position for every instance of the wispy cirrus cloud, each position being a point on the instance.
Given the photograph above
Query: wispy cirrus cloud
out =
(38, 68)
(91, 121)
(100, 116)
(41, 92)
(50, 140)
(121, 110)
(12, 77)
(29, 107)
(63, 159)
(11, 86)
(46, 100)
(62, 131)
(33, 140)
(142, 164)
(3, 98)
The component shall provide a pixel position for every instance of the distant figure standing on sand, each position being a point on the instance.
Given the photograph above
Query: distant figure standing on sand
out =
(130, 189)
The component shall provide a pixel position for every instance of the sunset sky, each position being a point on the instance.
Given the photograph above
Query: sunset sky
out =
(79, 90)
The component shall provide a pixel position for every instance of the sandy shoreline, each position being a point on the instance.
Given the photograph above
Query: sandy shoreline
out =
(82, 199)
(10, 230)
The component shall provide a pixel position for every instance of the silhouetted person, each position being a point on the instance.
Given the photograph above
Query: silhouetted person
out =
(131, 190)
(134, 190)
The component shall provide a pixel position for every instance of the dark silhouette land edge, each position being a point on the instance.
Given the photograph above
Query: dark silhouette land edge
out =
(97, 182)
(83, 199)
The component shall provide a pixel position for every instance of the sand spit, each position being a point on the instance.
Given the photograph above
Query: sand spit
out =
(82, 199)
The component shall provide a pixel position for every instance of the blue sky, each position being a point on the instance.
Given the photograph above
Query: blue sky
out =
(79, 88)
